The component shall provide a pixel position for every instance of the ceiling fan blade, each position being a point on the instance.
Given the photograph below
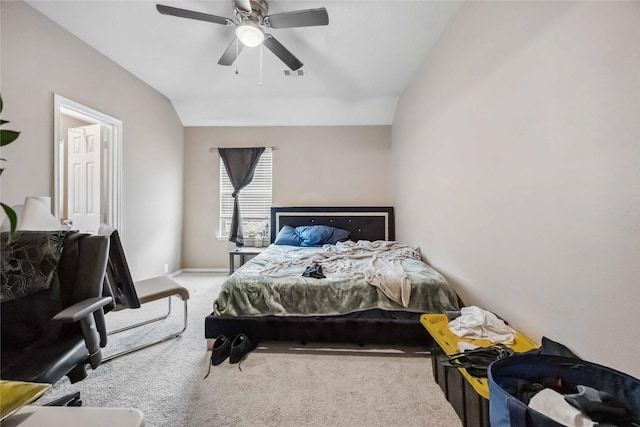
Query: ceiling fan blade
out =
(231, 54)
(244, 5)
(300, 18)
(198, 16)
(281, 52)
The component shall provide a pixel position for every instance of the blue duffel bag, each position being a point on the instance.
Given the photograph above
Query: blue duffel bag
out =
(509, 377)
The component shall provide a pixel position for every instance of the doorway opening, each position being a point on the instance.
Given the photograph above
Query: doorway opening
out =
(87, 166)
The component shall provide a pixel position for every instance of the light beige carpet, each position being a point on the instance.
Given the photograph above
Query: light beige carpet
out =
(280, 384)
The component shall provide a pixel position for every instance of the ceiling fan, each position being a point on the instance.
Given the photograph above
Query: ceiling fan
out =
(251, 19)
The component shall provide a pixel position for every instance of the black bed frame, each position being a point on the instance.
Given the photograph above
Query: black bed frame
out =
(363, 223)
(369, 327)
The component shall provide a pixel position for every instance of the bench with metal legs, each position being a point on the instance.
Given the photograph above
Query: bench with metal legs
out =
(149, 290)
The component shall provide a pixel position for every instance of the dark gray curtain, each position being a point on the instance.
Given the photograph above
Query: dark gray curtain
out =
(240, 164)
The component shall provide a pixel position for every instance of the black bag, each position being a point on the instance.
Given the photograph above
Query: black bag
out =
(508, 378)
(477, 361)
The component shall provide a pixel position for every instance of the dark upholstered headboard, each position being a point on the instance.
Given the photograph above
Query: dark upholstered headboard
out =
(364, 223)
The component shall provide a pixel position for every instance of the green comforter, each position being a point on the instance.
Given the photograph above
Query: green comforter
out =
(248, 292)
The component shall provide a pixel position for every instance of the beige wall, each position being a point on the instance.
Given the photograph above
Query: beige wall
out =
(39, 59)
(516, 150)
(323, 166)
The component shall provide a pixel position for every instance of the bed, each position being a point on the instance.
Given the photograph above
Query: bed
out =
(268, 298)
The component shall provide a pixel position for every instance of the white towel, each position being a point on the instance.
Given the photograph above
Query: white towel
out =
(552, 404)
(477, 323)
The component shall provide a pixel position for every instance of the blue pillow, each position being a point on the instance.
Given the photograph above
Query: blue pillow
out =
(318, 235)
(288, 236)
(339, 235)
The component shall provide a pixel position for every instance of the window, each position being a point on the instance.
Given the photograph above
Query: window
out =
(255, 199)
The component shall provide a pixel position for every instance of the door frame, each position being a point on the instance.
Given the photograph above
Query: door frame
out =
(67, 106)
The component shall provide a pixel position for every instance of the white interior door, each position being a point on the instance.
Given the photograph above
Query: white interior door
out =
(83, 172)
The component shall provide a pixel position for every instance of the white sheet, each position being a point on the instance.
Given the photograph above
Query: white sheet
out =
(378, 261)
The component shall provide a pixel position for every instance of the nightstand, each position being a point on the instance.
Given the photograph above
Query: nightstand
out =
(242, 253)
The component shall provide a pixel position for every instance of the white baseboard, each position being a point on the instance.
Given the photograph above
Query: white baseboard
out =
(200, 270)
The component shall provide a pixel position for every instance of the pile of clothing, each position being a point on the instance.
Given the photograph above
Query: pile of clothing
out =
(579, 406)
(476, 323)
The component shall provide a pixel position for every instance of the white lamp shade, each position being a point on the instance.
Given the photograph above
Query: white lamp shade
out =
(36, 215)
(250, 35)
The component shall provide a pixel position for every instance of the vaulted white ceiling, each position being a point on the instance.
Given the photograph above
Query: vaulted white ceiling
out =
(355, 68)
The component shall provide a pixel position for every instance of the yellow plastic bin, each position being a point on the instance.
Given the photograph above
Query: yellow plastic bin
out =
(467, 394)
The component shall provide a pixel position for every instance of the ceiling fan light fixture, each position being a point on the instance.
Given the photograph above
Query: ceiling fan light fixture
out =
(250, 34)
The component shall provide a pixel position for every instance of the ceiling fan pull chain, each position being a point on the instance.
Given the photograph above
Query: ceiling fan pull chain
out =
(260, 65)
(237, 54)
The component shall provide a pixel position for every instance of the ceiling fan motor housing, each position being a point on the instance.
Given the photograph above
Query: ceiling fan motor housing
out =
(259, 10)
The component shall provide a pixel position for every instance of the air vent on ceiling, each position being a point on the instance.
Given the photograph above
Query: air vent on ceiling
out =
(296, 73)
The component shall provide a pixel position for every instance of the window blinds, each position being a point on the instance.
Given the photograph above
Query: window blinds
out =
(255, 198)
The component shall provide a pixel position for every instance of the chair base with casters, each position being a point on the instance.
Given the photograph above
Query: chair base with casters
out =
(149, 290)
(72, 399)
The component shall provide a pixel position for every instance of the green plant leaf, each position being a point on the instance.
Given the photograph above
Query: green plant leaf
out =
(13, 219)
(8, 136)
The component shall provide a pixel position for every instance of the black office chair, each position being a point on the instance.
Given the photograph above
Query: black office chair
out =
(52, 332)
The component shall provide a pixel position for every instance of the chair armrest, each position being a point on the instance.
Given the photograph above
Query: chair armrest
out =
(89, 313)
(81, 309)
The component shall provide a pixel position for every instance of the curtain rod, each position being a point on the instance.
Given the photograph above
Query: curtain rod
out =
(214, 149)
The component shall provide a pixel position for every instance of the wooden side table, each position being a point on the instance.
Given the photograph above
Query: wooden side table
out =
(242, 252)
(468, 395)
